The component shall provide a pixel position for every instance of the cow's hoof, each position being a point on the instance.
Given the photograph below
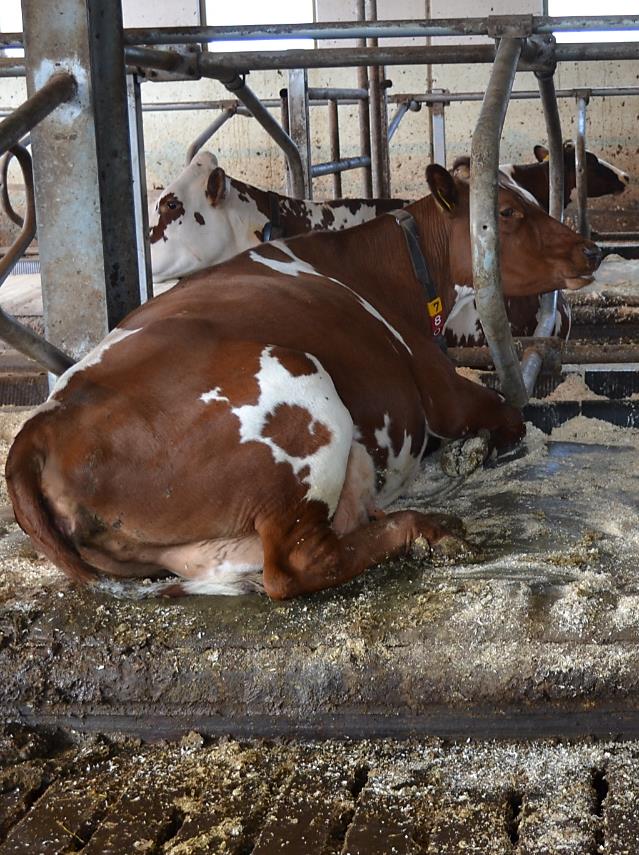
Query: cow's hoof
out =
(462, 456)
(449, 549)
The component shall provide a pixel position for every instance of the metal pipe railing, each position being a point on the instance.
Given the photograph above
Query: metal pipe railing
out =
(363, 113)
(328, 93)
(581, 167)
(333, 136)
(59, 88)
(12, 331)
(397, 98)
(205, 135)
(358, 30)
(484, 168)
(342, 165)
(533, 358)
(199, 65)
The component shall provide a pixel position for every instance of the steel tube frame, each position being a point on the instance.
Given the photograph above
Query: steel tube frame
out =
(59, 88)
(363, 111)
(19, 336)
(443, 27)
(580, 167)
(379, 118)
(484, 159)
(333, 134)
(342, 165)
(334, 94)
(205, 135)
(533, 358)
(198, 65)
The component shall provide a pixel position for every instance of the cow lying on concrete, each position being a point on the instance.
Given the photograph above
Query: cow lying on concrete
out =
(258, 415)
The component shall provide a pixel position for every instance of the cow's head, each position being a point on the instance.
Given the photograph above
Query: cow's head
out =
(199, 220)
(602, 177)
(537, 252)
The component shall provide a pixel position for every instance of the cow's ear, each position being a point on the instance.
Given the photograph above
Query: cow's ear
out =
(216, 186)
(442, 185)
(541, 153)
(461, 168)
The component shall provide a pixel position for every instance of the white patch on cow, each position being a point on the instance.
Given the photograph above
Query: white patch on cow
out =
(400, 468)
(213, 395)
(358, 496)
(463, 320)
(297, 266)
(621, 175)
(511, 183)
(317, 395)
(227, 580)
(93, 357)
(187, 245)
(560, 314)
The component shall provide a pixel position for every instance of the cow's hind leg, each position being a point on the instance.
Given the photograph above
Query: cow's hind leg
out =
(311, 556)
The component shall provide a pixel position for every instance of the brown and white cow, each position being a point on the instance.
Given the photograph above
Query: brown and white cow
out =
(602, 178)
(257, 416)
(205, 217)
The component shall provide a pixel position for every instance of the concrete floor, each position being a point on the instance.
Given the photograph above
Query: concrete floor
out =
(109, 795)
(538, 634)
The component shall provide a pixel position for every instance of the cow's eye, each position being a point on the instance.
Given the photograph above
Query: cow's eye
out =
(507, 212)
(171, 205)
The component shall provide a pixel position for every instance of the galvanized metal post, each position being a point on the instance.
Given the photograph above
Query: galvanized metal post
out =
(484, 167)
(378, 118)
(333, 132)
(299, 122)
(85, 210)
(363, 111)
(580, 165)
(438, 131)
(138, 168)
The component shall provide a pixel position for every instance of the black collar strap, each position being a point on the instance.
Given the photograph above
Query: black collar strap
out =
(273, 229)
(422, 274)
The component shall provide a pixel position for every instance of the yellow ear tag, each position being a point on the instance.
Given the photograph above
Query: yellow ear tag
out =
(435, 307)
(445, 202)
(547, 157)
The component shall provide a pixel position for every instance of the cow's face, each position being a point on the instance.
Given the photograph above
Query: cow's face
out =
(602, 177)
(537, 252)
(194, 223)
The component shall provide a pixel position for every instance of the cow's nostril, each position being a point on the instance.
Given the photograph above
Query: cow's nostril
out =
(592, 252)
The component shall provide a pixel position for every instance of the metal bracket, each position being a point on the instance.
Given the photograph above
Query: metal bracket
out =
(510, 26)
(540, 51)
(583, 93)
(185, 60)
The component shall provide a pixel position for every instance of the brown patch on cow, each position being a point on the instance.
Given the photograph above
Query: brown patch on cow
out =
(170, 209)
(268, 250)
(297, 364)
(199, 218)
(304, 472)
(328, 218)
(293, 429)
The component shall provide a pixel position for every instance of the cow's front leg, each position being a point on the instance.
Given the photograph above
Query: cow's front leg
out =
(311, 557)
(456, 407)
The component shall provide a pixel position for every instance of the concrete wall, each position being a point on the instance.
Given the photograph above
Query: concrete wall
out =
(246, 151)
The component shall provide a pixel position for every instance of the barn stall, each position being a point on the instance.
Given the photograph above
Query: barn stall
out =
(485, 703)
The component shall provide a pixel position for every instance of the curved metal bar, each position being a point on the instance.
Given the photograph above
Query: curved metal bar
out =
(208, 132)
(533, 359)
(5, 201)
(12, 331)
(484, 167)
(59, 88)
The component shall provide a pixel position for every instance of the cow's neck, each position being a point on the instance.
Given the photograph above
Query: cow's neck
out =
(374, 260)
(534, 178)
